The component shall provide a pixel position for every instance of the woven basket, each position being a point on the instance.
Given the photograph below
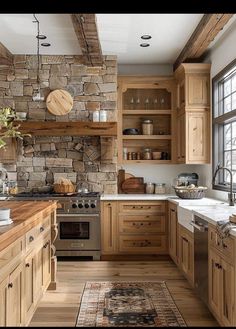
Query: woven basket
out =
(187, 193)
(62, 188)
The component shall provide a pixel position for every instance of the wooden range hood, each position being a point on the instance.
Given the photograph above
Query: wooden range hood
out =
(69, 128)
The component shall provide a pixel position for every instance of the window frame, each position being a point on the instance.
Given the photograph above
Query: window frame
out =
(217, 128)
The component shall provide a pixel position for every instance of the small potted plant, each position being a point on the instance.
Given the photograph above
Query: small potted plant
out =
(7, 128)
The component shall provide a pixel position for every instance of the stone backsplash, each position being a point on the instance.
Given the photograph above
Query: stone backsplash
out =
(88, 161)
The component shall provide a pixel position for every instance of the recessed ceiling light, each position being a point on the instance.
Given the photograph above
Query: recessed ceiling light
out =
(45, 44)
(41, 37)
(144, 44)
(146, 37)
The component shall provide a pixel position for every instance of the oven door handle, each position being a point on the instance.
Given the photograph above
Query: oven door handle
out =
(78, 215)
(199, 228)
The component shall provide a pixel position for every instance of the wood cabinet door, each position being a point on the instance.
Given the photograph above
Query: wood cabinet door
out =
(214, 282)
(3, 302)
(109, 228)
(46, 263)
(38, 274)
(227, 294)
(15, 296)
(181, 138)
(173, 233)
(186, 253)
(198, 137)
(29, 287)
(198, 90)
(8, 154)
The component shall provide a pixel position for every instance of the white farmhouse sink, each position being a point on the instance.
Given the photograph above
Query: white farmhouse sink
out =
(185, 211)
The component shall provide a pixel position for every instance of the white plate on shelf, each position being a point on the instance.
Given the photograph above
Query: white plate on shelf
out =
(6, 222)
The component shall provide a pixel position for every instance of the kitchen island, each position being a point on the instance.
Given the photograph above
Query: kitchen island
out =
(27, 261)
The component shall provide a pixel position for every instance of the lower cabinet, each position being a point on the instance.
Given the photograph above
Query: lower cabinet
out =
(109, 228)
(173, 232)
(11, 298)
(186, 253)
(222, 292)
(26, 274)
(134, 227)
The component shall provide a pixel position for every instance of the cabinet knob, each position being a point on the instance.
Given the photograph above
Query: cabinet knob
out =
(225, 246)
(10, 285)
(46, 244)
(27, 265)
(141, 224)
(41, 229)
(31, 238)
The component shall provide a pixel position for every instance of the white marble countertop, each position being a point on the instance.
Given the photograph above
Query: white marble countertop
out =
(141, 197)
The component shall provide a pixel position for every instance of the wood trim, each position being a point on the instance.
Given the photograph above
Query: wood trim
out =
(85, 27)
(205, 32)
(6, 57)
(49, 128)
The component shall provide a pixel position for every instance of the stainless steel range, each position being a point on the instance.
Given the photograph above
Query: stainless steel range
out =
(78, 218)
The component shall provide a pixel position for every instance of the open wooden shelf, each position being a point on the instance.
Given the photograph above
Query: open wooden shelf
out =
(71, 128)
(147, 161)
(146, 137)
(146, 112)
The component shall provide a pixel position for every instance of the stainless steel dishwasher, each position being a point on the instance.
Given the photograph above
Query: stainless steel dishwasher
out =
(201, 257)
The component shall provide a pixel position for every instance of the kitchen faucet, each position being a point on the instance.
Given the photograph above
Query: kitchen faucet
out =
(231, 195)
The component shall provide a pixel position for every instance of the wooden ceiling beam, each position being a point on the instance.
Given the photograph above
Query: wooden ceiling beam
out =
(206, 31)
(6, 57)
(86, 31)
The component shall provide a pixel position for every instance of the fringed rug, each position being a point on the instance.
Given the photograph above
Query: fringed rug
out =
(128, 304)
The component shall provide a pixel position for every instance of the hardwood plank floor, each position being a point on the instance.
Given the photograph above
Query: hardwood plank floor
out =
(60, 307)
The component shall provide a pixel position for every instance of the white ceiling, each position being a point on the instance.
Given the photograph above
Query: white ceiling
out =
(18, 34)
(120, 34)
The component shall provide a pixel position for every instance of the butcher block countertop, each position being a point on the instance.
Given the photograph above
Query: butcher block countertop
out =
(25, 215)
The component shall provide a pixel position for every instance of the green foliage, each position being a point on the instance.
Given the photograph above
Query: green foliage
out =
(7, 127)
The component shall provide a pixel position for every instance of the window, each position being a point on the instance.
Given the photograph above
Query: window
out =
(224, 125)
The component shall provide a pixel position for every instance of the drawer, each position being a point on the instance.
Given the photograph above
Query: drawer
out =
(134, 207)
(142, 224)
(37, 231)
(156, 244)
(15, 250)
(225, 247)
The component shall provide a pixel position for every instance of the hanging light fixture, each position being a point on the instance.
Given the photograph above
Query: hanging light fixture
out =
(37, 97)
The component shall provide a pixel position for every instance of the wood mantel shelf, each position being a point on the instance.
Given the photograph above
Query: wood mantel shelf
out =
(71, 128)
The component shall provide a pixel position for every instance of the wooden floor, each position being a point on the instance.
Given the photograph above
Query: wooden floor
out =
(60, 307)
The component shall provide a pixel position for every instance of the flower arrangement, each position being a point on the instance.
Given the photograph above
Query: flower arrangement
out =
(7, 129)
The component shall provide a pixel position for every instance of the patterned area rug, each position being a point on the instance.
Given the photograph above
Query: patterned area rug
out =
(128, 304)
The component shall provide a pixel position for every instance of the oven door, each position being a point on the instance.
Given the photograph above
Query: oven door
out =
(78, 232)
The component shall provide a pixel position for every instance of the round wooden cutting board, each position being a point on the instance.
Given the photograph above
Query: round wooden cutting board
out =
(59, 102)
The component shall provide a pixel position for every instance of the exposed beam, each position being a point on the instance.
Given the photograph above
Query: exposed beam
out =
(86, 30)
(6, 57)
(207, 29)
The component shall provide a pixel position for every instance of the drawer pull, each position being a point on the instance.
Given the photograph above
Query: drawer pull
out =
(10, 285)
(27, 265)
(141, 224)
(46, 244)
(31, 238)
(225, 246)
(41, 229)
(217, 265)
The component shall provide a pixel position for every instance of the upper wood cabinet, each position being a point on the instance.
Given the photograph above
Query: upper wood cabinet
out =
(193, 113)
(152, 98)
(8, 153)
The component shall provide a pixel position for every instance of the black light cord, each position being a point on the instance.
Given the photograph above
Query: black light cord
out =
(38, 32)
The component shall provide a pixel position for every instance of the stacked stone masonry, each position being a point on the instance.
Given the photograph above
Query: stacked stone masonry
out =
(43, 159)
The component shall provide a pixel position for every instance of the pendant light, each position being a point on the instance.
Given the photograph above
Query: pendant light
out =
(37, 97)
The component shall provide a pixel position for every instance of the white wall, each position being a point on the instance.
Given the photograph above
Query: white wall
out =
(162, 69)
(160, 173)
(220, 55)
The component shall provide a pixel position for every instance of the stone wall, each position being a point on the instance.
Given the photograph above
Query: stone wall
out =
(41, 160)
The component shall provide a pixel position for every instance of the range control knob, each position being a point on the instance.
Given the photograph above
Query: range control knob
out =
(80, 205)
(93, 205)
(86, 205)
(74, 205)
